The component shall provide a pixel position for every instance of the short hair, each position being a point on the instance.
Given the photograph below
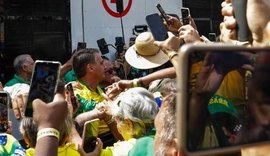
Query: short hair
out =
(168, 124)
(138, 105)
(82, 58)
(19, 61)
(164, 86)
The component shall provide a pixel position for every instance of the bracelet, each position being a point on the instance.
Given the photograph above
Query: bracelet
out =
(140, 82)
(135, 83)
(172, 54)
(110, 121)
(47, 132)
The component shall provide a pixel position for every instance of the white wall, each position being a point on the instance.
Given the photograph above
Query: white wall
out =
(100, 24)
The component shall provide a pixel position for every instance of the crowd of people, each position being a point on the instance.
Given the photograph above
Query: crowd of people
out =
(137, 116)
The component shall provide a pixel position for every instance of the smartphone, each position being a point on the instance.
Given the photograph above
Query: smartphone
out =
(4, 105)
(226, 128)
(163, 13)
(72, 95)
(103, 46)
(158, 29)
(212, 37)
(81, 45)
(89, 136)
(43, 83)
(185, 14)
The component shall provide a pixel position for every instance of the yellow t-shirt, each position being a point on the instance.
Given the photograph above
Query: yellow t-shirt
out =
(88, 94)
(233, 88)
(120, 148)
(68, 149)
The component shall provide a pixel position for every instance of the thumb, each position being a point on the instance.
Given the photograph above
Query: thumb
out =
(81, 150)
(58, 97)
(158, 43)
(170, 34)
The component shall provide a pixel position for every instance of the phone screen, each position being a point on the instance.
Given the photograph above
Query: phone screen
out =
(72, 95)
(3, 111)
(163, 14)
(81, 45)
(43, 84)
(102, 45)
(90, 133)
(158, 29)
(185, 14)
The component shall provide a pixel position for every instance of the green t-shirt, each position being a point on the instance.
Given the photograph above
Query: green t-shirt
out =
(144, 146)
(70, 76)
(16, 79)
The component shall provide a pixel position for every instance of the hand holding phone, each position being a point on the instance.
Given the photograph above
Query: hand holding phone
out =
(43, 84)
(4, 105)
(163, 14)
(185, 14)
(73, 98)
(158, 29)
(90, 133)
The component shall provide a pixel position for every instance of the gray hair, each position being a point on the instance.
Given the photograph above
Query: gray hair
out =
(138, 105)
(168, 131)
(19, 61)
(164, 86)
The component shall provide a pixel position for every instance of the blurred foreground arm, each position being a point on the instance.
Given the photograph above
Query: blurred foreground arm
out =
(50, 115)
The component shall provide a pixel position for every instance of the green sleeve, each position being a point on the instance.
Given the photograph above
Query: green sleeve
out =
(85, 105)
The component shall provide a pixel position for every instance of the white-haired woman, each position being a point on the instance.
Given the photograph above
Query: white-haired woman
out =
(133, 112)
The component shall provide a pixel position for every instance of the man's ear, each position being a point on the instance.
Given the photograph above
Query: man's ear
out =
(89, 67)
(24, 67)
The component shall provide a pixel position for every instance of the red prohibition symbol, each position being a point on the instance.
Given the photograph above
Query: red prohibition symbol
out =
(114, 13)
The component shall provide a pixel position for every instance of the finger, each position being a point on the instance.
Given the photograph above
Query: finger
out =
(230, 22)
(170, 34)
(158, 43)
(15, 109)
(81, 151)
(106, 97)
(58, 97)
(227, 10)
(99, 143)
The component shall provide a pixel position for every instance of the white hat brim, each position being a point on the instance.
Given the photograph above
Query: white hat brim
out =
(145, 62)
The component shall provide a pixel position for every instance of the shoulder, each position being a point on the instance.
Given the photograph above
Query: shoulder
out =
(144, 146)
(68, 149)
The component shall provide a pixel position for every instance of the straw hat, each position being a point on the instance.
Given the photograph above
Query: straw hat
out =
(144, 54)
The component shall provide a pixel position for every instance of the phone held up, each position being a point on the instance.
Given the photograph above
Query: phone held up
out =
(163, 13)
(81, 45)
(43, 84)
(158, 29)
(4, 105)
(89, 136)
(185, 14)
(72, 95)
